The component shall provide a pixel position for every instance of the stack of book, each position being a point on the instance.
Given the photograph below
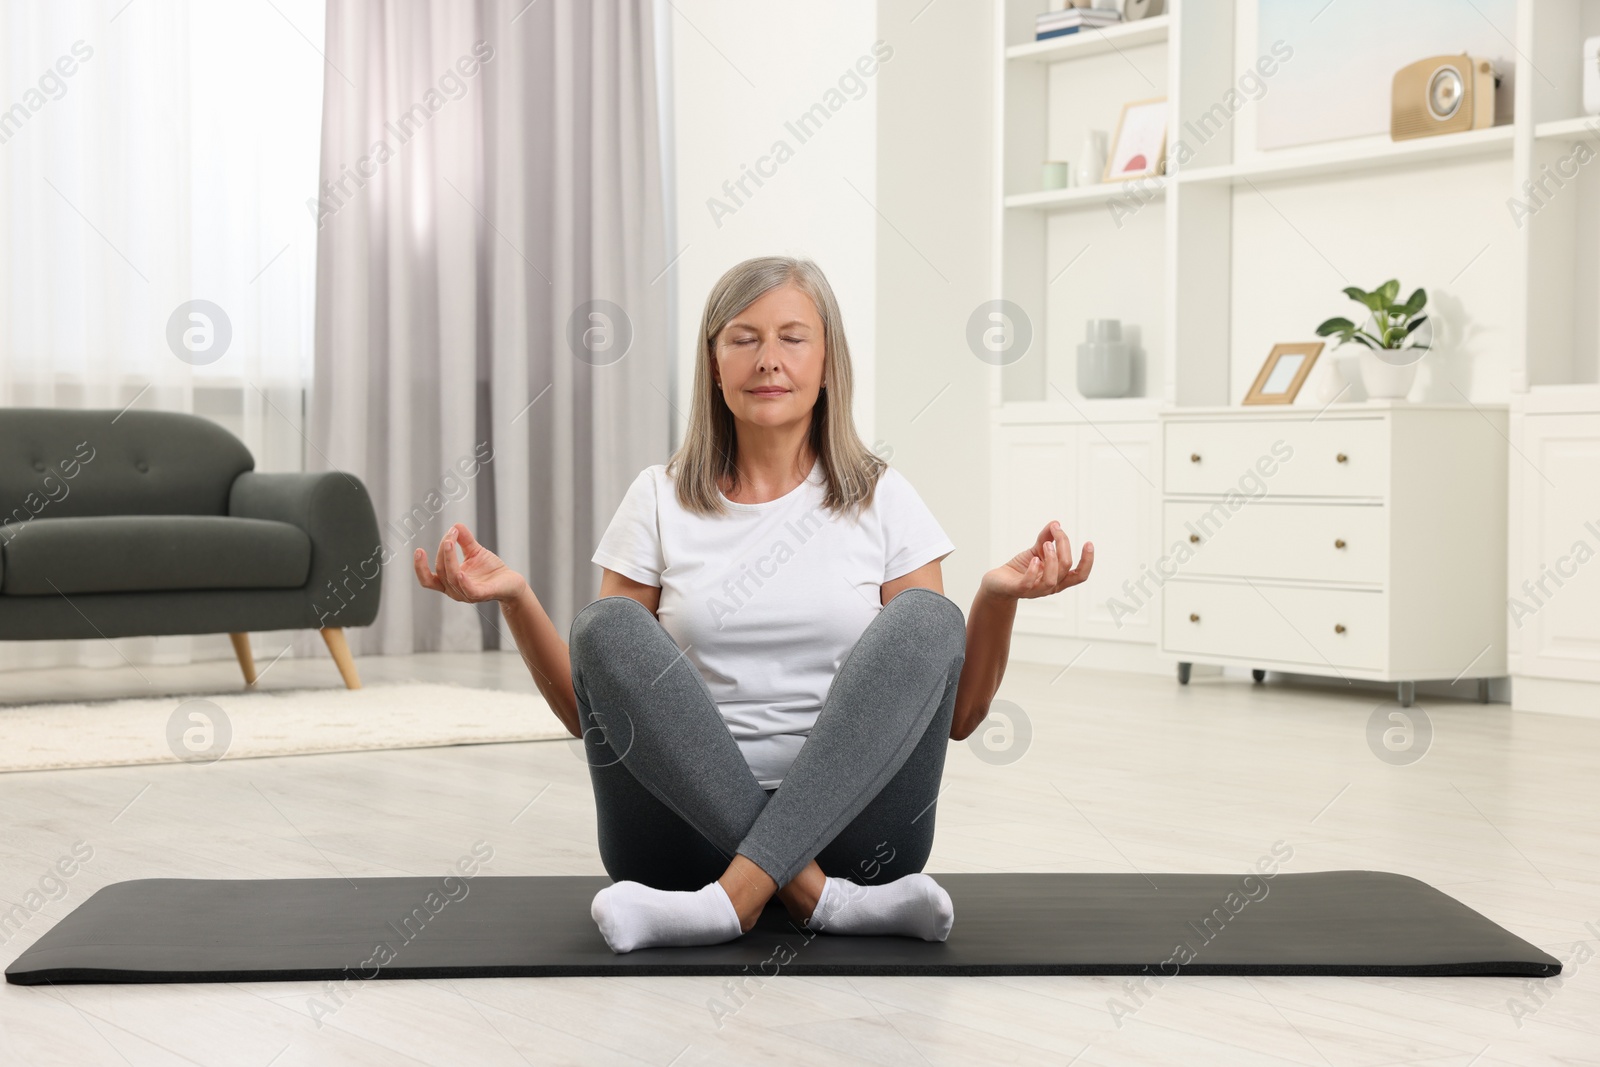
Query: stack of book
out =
(1060, 23)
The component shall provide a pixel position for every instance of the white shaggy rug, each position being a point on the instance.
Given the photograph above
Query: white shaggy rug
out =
(206, 728)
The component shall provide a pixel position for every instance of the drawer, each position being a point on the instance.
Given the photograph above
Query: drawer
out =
(1322, 542)
(1274, 623)
(1298, 457)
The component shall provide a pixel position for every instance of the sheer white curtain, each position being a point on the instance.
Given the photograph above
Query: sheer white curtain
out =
(154, 153)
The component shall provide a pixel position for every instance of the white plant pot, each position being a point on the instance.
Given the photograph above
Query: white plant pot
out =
(1384, 380)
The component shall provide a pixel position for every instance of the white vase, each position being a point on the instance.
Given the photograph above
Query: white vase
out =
(1092, 158)
(1384, 380)
(1327, 382)
(1104, 368)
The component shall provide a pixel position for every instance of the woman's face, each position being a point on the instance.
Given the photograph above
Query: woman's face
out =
(769, 359)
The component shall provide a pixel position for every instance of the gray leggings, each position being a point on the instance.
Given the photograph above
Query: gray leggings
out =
(675, 798)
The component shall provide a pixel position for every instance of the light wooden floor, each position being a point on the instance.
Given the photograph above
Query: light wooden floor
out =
(1123, 772)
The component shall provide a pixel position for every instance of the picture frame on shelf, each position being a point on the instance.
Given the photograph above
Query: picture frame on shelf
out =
(1139, 146)
(1284, 372)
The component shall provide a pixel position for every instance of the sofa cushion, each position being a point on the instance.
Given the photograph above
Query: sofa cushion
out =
(60, 464)
(142, 553)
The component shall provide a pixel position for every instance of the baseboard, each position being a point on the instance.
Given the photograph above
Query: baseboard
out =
(1558, 696)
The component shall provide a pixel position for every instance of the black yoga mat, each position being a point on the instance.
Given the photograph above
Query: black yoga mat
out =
(225, 930)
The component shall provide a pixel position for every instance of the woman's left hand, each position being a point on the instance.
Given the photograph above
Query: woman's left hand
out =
(1043, 569)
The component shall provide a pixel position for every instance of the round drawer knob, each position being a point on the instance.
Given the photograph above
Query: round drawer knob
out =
(1194, 457)
(1193, 617)
(1193, 538)
(1338, 627)
(1338, 542)
(1341, 458)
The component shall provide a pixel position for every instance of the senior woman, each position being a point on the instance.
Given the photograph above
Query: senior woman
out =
(766, 683)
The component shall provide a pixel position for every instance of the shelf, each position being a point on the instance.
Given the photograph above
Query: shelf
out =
(1366, 155)
(1585, 127)
(1091, 42)
(1084, 195)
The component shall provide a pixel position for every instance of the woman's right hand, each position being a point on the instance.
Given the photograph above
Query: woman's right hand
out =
(478, 576)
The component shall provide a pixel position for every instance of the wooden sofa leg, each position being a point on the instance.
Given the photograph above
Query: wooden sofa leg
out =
(333, 636)
(247, 662)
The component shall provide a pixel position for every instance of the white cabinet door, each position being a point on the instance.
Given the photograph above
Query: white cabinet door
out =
(1117, 508)
(1554, 580)
(1035, 468)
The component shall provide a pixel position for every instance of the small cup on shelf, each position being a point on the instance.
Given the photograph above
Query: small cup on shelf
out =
(1057, 174)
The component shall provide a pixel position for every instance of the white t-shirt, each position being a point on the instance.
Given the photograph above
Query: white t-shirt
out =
(768, 599)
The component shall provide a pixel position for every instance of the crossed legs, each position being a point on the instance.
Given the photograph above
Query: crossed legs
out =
(679, 809)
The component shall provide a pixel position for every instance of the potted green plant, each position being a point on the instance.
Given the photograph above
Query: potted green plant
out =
(1393, 338)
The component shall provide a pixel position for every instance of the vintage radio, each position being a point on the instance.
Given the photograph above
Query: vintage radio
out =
(1443, 94)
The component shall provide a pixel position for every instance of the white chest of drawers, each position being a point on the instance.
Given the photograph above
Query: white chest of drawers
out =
(1359, 541)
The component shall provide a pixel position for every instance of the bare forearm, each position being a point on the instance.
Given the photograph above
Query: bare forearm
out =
(988, 648)
(546, 655)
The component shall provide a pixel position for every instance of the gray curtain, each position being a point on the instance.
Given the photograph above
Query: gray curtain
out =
(491, 324)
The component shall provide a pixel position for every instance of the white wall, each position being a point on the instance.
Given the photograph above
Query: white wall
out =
(890, 197)
(935, 117)
(742, 71)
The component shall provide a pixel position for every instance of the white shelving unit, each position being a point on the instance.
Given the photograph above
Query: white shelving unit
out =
(1057, 259)
(1554, 651)
(1165, 257)
(1558, 269)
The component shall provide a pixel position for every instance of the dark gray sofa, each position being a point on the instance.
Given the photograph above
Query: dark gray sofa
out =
(116, 524)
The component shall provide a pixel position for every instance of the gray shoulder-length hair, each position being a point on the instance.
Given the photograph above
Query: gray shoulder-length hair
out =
(710, 447)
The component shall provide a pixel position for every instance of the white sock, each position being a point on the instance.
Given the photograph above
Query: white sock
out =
(632, 915)
(913, 905)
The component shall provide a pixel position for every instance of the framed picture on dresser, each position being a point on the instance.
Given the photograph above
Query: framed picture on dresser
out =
(1284, 372)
